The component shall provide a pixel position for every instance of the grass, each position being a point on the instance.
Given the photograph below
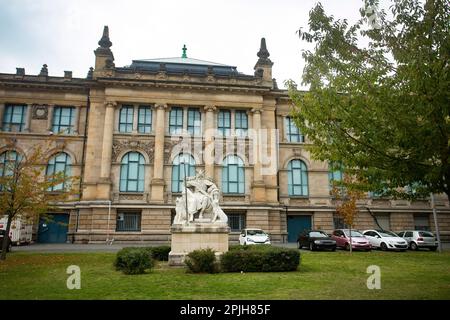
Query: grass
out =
(321, 275)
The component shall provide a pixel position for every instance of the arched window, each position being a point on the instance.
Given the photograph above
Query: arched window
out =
(233, 175)
(60, 162)
(132, 172)
(183, 163)
(8, 161)
(297, 178)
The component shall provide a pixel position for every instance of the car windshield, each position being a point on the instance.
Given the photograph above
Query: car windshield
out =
(354, 234)
(255, 232)
(425, 234)
(318, 234)
(387, 234)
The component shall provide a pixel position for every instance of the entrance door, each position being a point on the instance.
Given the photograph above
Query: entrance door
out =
(55, 230)
(295, 225)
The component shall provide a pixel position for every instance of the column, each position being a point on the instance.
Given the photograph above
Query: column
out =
(2, 112)
(258, 185)
(157, 194)
(28, 117)
(107, 141)
(51, 109)
(76, 124)
(135, 118)
(208, 155)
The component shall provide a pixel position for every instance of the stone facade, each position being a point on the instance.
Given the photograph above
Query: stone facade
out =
(97, 147)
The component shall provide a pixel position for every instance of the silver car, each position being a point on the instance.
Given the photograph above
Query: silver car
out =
(419, 239)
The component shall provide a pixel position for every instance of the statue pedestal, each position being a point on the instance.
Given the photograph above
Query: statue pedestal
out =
(187, 238)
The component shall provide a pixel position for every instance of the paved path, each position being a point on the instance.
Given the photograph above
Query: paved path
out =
(68, 247)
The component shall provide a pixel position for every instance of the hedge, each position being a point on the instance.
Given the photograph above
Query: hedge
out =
(160, 253)
(202, 261)
(134, 260)
(259, 258)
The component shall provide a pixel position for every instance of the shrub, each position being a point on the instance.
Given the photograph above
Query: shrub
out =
(202, 261)
(160, 253)
(260, 259)
(134, 260)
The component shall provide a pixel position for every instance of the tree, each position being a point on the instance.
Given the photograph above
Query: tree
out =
(378, 99)
(346, 202)
(25, 188)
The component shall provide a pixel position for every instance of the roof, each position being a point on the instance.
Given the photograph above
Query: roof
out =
(179, 60)
(179, 65)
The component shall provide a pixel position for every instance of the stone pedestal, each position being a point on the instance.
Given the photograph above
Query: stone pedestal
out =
(197, 235)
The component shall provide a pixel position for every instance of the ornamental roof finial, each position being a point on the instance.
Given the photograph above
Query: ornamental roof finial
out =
(104, 41)
(184, 52)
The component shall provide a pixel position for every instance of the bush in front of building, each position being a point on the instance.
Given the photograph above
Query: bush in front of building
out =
(258, 258)
(202, 261)
(160, 253)
(134, 260)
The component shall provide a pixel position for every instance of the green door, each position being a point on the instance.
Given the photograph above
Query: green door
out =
(54, 231)
(296, 224)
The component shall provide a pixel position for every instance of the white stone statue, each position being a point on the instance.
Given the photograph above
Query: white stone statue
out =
(202, 198)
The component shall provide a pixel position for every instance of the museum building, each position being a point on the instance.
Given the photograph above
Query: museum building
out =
(133, 133)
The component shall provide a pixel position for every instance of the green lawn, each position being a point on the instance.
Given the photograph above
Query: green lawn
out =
(321, 275)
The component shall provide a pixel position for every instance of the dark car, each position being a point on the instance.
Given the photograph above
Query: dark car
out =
(2, 238)
(316, 240)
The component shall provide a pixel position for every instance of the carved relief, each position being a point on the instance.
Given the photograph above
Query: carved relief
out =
(40, 111)
(119, 146)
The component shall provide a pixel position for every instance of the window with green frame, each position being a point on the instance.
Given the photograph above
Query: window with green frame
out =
(236, 221)
(241, 123)
(297, 178)
(233, 175)
(126, 119)
(144, 119)
(132, 172)
(60, 162)
(8, 162)
(14, 118)
(63, 120)
(194, 121)
(335, 173)
(183, 163)
(224, 123)
(176, 120)
(293, 134)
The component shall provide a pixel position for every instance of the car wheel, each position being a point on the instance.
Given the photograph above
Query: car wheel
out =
(298, 245)
(311, 246)
(433, 248)
(333, 249)
(347, 247)
(413, 246)
(384, 246)
(9, 248)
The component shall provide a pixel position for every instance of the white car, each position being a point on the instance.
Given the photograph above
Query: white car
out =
(386, 240)
(253, 236)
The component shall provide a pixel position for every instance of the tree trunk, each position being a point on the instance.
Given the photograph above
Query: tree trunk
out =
(351, 241)
(5, 239)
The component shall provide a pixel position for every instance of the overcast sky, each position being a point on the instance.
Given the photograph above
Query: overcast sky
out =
(64, 33)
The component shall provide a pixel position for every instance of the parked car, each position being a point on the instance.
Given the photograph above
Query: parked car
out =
(315, 240)
(385, 240)
(419, 239)
(3, 236)
(253, 236)
(21, 230)
(359, 241)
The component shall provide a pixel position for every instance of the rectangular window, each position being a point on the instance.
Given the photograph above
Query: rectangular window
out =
(144, 119)
(421, 222)
(236, 221)
(224, 123)
(292, 132)
(176, 120)
(241, 123)
(194, 121)
(126, 119)
(14, 118)
(63, 120)
(383, 221)
(128, 221)
(338, 222)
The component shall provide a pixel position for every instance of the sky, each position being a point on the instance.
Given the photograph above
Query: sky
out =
(64, 33)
